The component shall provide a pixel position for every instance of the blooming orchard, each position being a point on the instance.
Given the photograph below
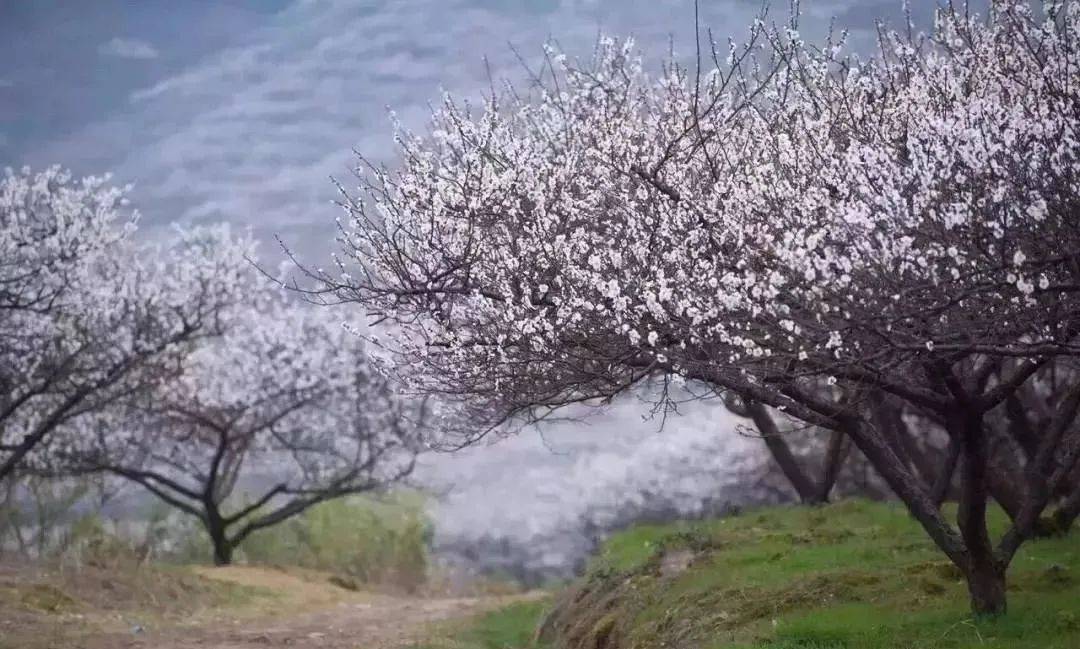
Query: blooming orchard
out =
(86, 315)
(167, 364)
(807, 229)
(285, 400)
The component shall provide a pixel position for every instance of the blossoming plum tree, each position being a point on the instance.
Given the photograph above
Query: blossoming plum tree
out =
(87, 316)
(284, 407)
(807, 229)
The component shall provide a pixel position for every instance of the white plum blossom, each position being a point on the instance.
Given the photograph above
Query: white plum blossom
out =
(167, 364)
(86, 314)
(286, 396)
(793, 219)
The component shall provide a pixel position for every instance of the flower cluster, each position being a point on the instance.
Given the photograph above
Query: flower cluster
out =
(169, 365)
(813, 231)
(286, 392)
(86, 314)
(808, 214)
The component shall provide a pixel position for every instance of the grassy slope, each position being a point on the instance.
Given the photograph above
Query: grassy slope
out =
(854, 575)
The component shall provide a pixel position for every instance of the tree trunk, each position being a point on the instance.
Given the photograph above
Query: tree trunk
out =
(943, 482)
(971, 550)
(986, 585)
(1005, 476)
(781, 452)
(215, 526)
(222, 553)
(985, 574)
(1020, 427)
(908, 489)
(1067, 513)
(834, 460)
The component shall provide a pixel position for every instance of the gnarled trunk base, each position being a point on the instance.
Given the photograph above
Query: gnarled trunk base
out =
(986, 585)
(222, 555)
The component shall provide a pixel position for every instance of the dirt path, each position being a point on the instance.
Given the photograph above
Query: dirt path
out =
(382, 623)
(308, 614)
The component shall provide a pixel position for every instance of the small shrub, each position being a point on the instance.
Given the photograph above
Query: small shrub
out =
(46, 598)
(362, 539)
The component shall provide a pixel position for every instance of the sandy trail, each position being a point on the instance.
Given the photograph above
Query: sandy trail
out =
(380, 624)
(312, 616)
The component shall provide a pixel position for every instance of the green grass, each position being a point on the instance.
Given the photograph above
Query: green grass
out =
(853, 575)
(374, 541)
(510, 627)
(365, 540)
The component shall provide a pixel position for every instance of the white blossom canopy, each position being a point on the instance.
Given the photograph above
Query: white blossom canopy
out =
(87, 315)
(805, 214)
(286, 393)
(811, 231)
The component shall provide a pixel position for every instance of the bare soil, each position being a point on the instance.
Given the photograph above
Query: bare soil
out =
(381, 623)
(277, 609)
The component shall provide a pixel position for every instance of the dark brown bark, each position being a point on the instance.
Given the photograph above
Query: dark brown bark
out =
(781, 453)
(215, 527)
(944, 479)
(908, 489)
(1045, 473)
(1005, 476)
(1067, 513)
(222, 554)
(835, 455)
(922, 460)
(890, 420)
(970, 549)
(985, 574)
(986, 586)
(1020, 427)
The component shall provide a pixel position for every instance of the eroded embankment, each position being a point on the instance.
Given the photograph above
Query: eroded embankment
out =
(855, 575)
